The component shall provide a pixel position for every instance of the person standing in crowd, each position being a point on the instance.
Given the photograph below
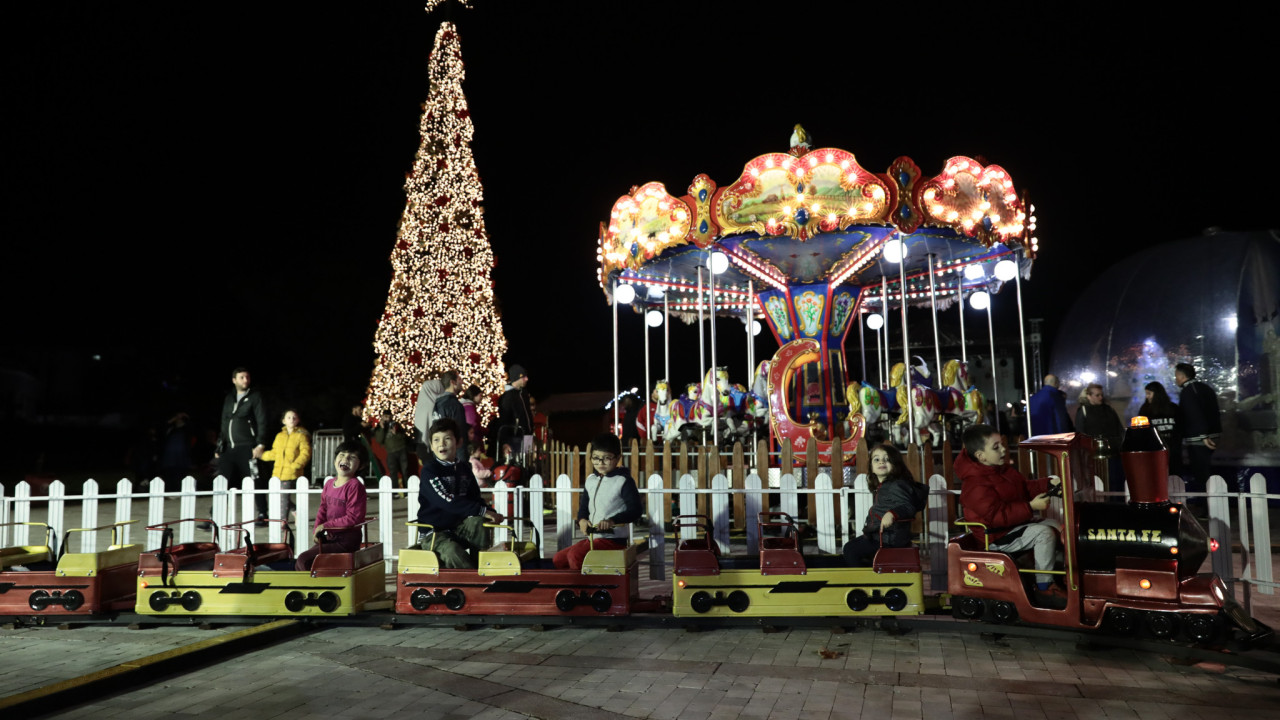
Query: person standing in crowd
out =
(468, 398)
(1097, 419)
(1049, 409)
(290, 452)
(448, 406)
(391, 436)
(1201, 424)
(515, 419)
(354, 426)
(1162, 413)
(242, 435)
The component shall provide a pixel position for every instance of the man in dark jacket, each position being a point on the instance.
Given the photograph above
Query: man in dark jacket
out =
(242, 434)
(1049, 409)
(448, 406)
(515, 420)
(1200, 423)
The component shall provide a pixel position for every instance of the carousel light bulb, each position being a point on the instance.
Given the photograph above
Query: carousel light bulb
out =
(875, 321)
(624, 294)
(894, 251)
(974, 272)
(755, 327)
(656, 292)
(719, 262)
(654, 318)
(1006, 270)
(980, 300)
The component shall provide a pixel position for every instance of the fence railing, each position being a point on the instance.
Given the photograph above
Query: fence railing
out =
(835, 511)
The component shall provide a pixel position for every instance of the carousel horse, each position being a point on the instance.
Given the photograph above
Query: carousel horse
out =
(918, 403)
(689, 416)
(658, 412)
(730, 407)
(964, 399)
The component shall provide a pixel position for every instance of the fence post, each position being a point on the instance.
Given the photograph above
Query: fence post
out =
(657, 501)
(564, 511)
(754, 499)
(248, 503)
(155, 514)
(88, 516)
(386, 521)
(124, 509)
(4, 519)
(1220, 528)
(688, 499)
(811, 470)
(822, 500)
(938, 513)
(535, 498)
(1261, 533)
(302, 522)
(668, 476)
(411, 533)
(57, 510)
(186, 507)
(862, 499)
(219, 505)
(274, 509)
(721, 517)
(22, 514)
(790, 499)
(501, 503)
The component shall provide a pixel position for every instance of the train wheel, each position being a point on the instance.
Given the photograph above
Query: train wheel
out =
(73, 599)
(739, 601)
(967, 608)
(1201, 627)
(857, 600)
(1162, 624)
(566, 600)
(700, 602)
(601, 601)
(455, 599)
(895, 600)
(1003, 612)
(420, 599)
(295, 601)
(329, 602)
(1121, 621)
(39, 600)
(157, 601)
(191, 601)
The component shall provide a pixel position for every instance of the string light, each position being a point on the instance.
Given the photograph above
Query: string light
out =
(440, 308)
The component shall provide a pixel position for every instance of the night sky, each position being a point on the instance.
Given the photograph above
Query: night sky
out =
(195, 187)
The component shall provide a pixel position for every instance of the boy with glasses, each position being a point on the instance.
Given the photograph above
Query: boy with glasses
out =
(610, 502)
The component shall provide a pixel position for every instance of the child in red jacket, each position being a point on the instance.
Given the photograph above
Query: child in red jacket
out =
(995, 494)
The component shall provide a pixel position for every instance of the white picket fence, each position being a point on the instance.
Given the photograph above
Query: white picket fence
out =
(1242, 517)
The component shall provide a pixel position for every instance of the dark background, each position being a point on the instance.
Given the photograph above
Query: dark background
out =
(194, 187)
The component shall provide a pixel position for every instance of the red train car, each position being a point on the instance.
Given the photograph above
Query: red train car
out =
(35, 579)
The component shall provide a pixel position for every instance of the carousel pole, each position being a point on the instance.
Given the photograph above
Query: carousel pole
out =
(995, 374)
(614, 302)
(964, 350)
(1022, 336)
(748, 310)
(666, 342)
(906, 343)
(715, 385)
(884, 312)
(862, 344)
(648, 388)
(937, 346)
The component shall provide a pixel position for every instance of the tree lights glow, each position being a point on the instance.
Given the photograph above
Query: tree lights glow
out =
(440, 312)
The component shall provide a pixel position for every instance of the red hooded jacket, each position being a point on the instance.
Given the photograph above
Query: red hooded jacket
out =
(998, 497)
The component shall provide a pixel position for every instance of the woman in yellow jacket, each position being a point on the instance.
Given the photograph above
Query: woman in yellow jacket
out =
(291, 452)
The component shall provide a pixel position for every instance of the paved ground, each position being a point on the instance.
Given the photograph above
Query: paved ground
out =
(588, 673)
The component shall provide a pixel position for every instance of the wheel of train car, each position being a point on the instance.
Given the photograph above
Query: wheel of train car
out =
(190, 601)
(1121, 621)
(420, 599)
(455, 599)
(1162, 624)
(295, 601)
(739, 601)
(158, 601)
(1003, 611)
(701, 601)
(566, 600)
(967, 608)
(601, 601)
(72, 600)
(1201, 627)
(39, 600)
(895, 600)
(857, 600)
(329, 601)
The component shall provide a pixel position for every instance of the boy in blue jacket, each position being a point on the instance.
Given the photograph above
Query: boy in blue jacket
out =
(449, 500)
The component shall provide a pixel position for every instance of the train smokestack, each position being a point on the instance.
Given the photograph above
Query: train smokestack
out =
(1146, 463)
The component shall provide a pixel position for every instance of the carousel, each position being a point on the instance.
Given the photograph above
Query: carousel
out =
(811, 244)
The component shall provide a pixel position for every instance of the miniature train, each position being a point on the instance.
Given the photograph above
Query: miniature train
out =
(33, 578)
(1126, 568)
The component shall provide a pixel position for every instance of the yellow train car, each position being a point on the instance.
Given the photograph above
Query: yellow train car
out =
(783, 582)
(199, 578)
(34, 579)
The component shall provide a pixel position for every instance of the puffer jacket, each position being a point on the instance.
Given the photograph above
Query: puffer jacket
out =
(998, 497)
(291, 452)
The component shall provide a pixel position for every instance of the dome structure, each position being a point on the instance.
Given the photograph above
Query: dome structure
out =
(1212, 301)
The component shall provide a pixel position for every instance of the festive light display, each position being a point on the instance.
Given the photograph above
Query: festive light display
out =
(440, 313)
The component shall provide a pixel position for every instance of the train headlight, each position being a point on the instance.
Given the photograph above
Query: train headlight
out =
(1173, 551)
(1213, 544)
(680, 583)
(1145, 584)
(145, 584)
(972, 567)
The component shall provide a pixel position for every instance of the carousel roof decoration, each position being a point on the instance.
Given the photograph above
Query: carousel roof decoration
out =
(815, 215)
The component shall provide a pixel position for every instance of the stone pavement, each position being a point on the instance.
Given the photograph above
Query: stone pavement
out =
(437, 672)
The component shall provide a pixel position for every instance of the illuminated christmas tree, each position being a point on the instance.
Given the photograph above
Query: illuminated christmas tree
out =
(440, 313)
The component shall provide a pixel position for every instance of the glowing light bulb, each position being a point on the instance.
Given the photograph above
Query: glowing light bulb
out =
(654, 318)
(1006, 270)
(719, 262)
(974, 272)
(894, 251)
(875, 321)
(624, 294)
(980, 300)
